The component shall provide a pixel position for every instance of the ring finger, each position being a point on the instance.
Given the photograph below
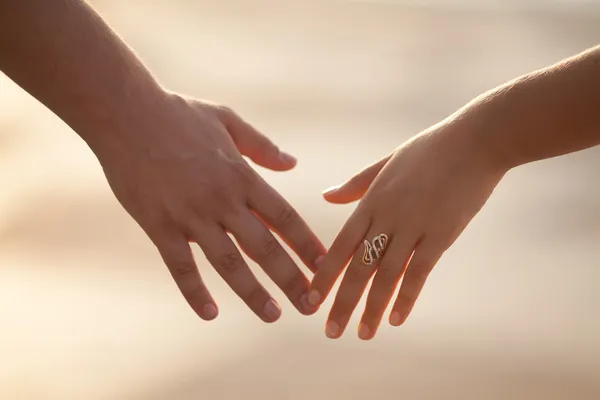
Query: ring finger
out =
(222, 253)
(356, 278)
(384, 284)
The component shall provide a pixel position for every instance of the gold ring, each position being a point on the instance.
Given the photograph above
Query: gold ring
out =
(374, 249)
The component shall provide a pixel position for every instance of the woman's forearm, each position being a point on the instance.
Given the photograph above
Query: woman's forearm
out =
(544, 114)
(63, 54)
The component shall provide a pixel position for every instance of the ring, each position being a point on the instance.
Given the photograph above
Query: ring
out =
(375, 249)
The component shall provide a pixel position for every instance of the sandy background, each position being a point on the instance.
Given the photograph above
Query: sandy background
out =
(87, 310)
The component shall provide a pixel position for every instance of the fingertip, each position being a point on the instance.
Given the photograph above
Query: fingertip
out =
(337, 195)
(331, 190)
(364, 332)
(334, 200)
(331, 198)
(396, 318)
(314, 298)
(328, 197)
(332, 330)
(288, 159)
(275, 161)
(319, 261)
(271, 311)
(306, 308)
(210, 312)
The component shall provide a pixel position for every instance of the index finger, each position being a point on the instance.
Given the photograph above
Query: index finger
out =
(343, 248)
(283, 219)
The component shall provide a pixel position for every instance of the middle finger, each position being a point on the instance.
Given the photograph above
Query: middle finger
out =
(261, 246)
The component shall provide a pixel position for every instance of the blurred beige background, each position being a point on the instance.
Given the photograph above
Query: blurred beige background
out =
(87, 310)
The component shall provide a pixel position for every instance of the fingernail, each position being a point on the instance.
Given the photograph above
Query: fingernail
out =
(364, 332)
(287, 158)
(332, 330)
(272, 310)
(306, 306)
(314, 298)
(210, 311)
(331, 189)
(319, 260)
(396, 318)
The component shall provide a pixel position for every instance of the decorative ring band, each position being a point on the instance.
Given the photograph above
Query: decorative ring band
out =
(375, 249)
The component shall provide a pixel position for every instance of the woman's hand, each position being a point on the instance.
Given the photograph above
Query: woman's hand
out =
(421, 197)
(180, 172)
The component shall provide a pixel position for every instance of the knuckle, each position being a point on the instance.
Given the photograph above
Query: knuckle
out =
(224, 199)
(386, 273)
(223, 203)
(244, 172)
(231, 262)
(230, 211)
(268, 247)
(405, 299)
(209, 199)
(225, 112)
(194, 295)
(308, 250)
(226, 109)
(355, 180)
(419, 272)
(354, 272)
(182, 268)
(286, 215)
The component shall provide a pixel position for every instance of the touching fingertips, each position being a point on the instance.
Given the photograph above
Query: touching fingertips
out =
(314, 298)
(319, 260)
(210, 311)
(307, 308)
(271, 311)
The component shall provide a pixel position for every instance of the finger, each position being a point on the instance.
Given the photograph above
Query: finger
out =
(421, 264)
(179, 259)
(259, 243)
(282, 218)
(345, 244)
(222, 253)
(256, 146)
(384, 285)
(356, 278)
(355, 188)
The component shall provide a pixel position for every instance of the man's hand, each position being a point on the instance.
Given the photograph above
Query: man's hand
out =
(180, 173)
(174, 164)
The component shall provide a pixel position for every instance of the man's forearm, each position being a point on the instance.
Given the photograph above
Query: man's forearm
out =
(63, 54)
(544, 114)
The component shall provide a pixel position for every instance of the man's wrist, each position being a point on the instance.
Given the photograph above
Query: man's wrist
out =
(106, 122)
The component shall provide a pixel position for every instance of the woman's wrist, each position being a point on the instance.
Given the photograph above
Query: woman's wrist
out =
(544, 114)
(478, 137)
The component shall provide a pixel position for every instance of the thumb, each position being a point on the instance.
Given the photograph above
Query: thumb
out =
(256, 146)
(355, 188)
